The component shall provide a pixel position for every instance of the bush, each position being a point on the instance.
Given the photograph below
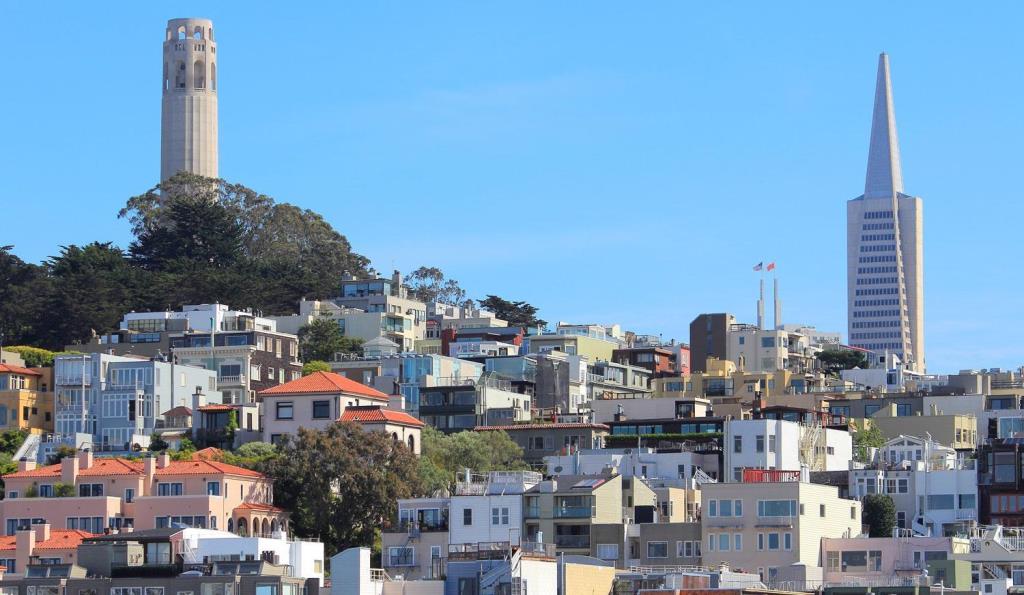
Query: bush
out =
(879, 514)
(315, 366)
(37, 357)
(63, 490)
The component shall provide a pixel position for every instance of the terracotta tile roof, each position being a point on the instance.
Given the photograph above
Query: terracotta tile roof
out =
(365, 415)
(9, 369)
(60, 539)
(555, 426)
(325, 383)
(103, 467)
(207, 454)
(260, 507)
(179, 411)
(205, 467)
(216, 407)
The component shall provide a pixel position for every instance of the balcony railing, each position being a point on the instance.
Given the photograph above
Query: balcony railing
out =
(231, 379)
(574, 512)
(775, 521)
(532, 512)
(572, 541)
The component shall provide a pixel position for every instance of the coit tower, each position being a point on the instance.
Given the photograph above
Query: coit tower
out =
(188, 122)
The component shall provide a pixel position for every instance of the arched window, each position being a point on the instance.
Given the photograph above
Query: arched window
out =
(179, 75)
(273, 526)
(231, 525)
(213, 75)
(197, 34)
(181, 32)
(168, 35)
(242, 528)
(199, 75)
(266, 527)
(412, 443)
(394, 436)
(211, 33)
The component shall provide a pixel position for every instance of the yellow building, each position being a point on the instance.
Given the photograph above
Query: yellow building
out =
(26, 399)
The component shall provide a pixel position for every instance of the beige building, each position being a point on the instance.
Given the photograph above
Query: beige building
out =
(956, 431)
(565, 509)
(26, 399)
(774, 528)
(188, 122)
(315, 402)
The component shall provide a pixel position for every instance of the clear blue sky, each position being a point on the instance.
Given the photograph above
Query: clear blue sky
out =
(606, 162)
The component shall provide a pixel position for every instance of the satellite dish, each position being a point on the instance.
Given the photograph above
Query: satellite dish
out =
(558, 469)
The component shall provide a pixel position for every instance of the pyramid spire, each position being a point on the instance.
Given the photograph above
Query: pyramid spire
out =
(885, 175)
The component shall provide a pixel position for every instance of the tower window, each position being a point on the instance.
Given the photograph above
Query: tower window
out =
(199, 75)
(179, 76)
(213, 75)
(181, 32)
(197, 34)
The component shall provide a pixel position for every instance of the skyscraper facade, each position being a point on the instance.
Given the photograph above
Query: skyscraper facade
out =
(885, 249)
(188, 122)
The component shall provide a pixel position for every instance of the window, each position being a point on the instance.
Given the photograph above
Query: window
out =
(875, 560)
(759, 443)
(713, 508)
(400, 556)
(832, 561)
(737, 444)
(129, 495)
(467, 516)
(821, 510)
(773, 541)
(737, 507)
(737, 542)
(608, 551)
(321, 409)
(46, 490)
(787, 541)
(213, 488)
(776, 508)
(940, 502)
(966, 501)
(771, 443)
(725, 508)
(169, 489)
(90, 489)
(499, 516)
(657, 549)
(285, 410)
(723, 542)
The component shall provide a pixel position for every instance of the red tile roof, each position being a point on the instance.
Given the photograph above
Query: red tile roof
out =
(260, 507)
(179, 411)
(103, 467)
(9, 369)
(555, 426)
(325, 383)
(216, 407)
(207, 454)
(369, 415)
(60, 539)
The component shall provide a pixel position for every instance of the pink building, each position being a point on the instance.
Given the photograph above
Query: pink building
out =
(94, 494)
(40, 544)
(315, 401)
(875, 560)
(400, 425)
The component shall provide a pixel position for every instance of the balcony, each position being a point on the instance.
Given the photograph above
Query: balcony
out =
(572, 541)
(531, 512)
(231, 380)
(775, 521)
(487, 550)
(417, 528)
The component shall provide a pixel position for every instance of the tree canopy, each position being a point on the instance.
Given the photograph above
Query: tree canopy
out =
(196, 240)
(442, 456)
(428, 284)
(322, 338)
(834, 360)
(517, 313)
(879, 514)
(866, 436)
(340, 484)
(315, 366)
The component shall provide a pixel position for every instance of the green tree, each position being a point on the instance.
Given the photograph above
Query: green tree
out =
(428, 284)
(157, 444)
(256, 450)
(516, 313)
(835, 360)
(322, 338)
(340, 484)
(865, 436)
(878, 512)
(37, 357)
(232, 427)
(64, 490)
(442, 456)
(315, 366)
(11, 440)
(21, 310)
(92, 287)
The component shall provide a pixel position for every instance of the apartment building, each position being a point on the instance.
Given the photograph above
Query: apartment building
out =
(608, 380)
(646, 463)
(772, 523)
(38, 544)
(94, 494)
(709, 335)
(657, 359)
(314, 402)
(26, 398)
(956, 431)
(877, 560)
(401, 426)
(755, 349)
(464, 403)
(563, 510)
(415, 544)
(111, 403)
(1001, 482)
(540, 440)
(780, 444)
(624, 408)
(248, 353)
(935, 490)
(594, 342)
(489, 508)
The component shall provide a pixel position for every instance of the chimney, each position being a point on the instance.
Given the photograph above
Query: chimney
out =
(163, 460)
(778, 307)
(26, 465)
(69, 470)
(84, 459)
(149, 466)
(24, 547)
(42, 532)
